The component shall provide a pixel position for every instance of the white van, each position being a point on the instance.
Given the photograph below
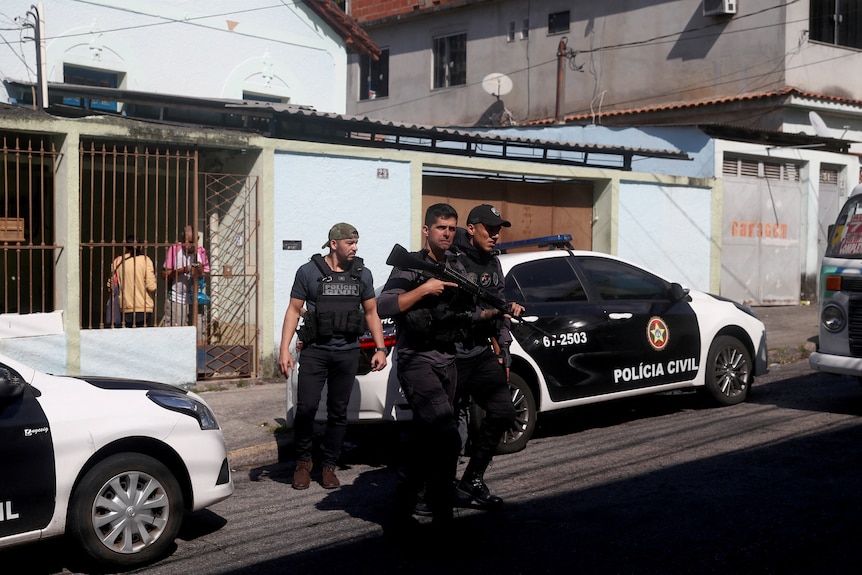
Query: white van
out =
(840, 345)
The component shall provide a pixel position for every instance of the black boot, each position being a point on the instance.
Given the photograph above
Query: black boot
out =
(472, 491)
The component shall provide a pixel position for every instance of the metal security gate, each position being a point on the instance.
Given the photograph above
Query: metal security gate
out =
(147, 194)
(231, 221)
(28, 254)
(760, 262)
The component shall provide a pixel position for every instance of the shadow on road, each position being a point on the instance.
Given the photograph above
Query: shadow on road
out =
(792, 507)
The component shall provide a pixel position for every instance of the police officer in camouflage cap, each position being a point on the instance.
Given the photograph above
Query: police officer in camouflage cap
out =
(338, 292)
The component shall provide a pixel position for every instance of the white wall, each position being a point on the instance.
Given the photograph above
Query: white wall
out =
(155, 353)
(667, 229)
(214, 49)
(314, 192)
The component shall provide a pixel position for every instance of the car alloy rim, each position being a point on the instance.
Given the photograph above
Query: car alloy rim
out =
(521, 417)
(731, 371)
(130, 512)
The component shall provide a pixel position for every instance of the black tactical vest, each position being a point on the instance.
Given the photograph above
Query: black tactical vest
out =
(485, 274)
(445, 318)
(339, 301)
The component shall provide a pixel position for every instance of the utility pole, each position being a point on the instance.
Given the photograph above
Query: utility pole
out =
(41, 61)
(561, 81)
(563, 54)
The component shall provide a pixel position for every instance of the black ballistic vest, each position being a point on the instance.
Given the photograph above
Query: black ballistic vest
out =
(339, 301)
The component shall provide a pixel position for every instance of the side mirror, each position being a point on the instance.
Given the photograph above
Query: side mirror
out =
(11, 385)
(677, 292)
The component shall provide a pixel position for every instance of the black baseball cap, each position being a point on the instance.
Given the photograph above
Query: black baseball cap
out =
(488, 215)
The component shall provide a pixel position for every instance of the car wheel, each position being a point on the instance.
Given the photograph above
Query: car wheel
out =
(516, 438)
(126, 511)
(728, 371)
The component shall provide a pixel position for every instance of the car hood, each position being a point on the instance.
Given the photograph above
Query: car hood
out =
(119, 383)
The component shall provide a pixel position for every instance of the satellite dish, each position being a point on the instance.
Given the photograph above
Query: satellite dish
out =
(819, 125)
(497, 84)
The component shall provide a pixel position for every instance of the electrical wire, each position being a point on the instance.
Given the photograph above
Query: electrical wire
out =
(655, 40)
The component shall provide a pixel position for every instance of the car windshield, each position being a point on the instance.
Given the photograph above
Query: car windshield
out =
(845, 237)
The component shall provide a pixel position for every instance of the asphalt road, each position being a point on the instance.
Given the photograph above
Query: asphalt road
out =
(655, 485)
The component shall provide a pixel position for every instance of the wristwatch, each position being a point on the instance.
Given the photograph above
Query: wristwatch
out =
(383, 349)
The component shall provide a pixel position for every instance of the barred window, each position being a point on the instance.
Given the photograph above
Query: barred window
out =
(27, 250)
(135, 201)
(450, 61)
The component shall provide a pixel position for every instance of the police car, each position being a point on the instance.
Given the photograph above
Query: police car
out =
(111, 463)
(598, 328)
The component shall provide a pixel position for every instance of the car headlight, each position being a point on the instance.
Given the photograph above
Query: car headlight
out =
(185, 404)
(832, 317)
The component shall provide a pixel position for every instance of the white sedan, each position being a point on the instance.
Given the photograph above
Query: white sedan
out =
(598, 328)
(112, 463)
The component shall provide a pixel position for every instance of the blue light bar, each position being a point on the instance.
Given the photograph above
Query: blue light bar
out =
(558, 241)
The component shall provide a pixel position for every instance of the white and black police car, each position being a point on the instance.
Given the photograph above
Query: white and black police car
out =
(597, 328)
(112, 463)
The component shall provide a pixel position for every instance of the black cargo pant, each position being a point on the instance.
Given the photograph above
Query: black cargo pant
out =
(336, 370)
(433, 443)
(482, 379)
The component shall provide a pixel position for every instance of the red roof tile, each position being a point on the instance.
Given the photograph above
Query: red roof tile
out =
(346, 27)
(692, 104)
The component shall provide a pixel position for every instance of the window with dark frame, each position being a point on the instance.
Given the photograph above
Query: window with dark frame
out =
(80, 76)
(615, 280)
(544, 281)
(450, 61)
(558, 22)
(374, 76)
(837, 22)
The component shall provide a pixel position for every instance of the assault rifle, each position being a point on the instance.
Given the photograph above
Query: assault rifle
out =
(401, 258)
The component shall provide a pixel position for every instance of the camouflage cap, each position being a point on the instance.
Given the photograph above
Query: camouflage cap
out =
(341, 231)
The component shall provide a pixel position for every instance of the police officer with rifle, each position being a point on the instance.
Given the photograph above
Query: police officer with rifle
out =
(434, 307)
(338, 292)
(431, 314)
(483, 358)
(482, 354)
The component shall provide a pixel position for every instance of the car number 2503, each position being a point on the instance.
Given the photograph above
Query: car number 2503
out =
(569, 338)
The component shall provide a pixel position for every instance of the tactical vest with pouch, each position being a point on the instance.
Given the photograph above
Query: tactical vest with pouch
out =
(339, 302)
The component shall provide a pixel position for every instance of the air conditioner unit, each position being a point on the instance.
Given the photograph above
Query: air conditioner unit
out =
(719, 7)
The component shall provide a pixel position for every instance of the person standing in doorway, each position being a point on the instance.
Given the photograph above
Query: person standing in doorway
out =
(186, 263)
(337, 291)
(134, 278)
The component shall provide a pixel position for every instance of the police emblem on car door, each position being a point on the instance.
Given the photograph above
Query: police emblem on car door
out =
(651, 336)
(591, 339)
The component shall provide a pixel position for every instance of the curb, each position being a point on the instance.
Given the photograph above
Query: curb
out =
(246, 458)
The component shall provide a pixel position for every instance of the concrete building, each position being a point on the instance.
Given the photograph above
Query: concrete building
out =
(261, 183)
(289, 52)
(751, 76)
(262, 175)
(482, 62)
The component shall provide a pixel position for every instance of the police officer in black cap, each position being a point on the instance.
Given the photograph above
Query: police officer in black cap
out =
(482, 359)
(431, 315)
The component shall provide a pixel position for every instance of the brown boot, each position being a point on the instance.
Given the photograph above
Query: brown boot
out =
(329, 480)
(302, 475)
